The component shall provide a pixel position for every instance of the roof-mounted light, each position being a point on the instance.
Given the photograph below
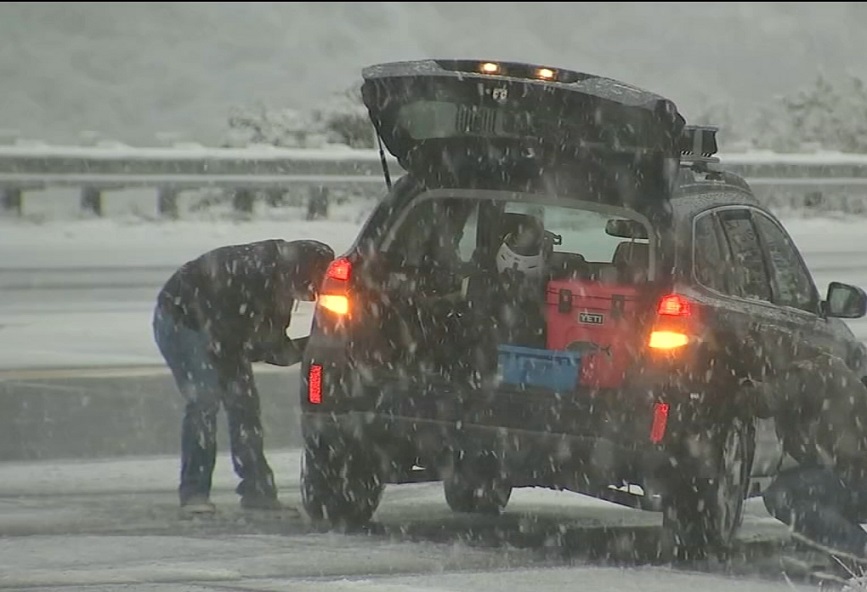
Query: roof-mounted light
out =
(489, 68)
(545, 73)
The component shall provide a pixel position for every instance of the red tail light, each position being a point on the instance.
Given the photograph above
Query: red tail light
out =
(333, 296)
(673, 305)
(314, 384)
(339, 269)
(672, 328)
(660, 422)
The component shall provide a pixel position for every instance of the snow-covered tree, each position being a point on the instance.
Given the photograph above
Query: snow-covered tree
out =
(833, 117)
(342, 119)
(731, 137)
(345, 120)
(826, 115)
(262, 125)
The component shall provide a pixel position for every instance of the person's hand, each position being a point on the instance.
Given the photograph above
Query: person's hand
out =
(286, 352)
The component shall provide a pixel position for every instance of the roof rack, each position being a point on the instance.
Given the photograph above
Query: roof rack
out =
(698, 145)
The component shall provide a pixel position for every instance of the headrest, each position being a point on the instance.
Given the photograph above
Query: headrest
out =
(632, 254)
(514, 221)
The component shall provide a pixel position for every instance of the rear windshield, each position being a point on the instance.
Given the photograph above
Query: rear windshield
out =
(581, 240)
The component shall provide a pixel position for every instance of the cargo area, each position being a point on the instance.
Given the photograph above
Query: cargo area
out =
(529, 252)
(483, 288)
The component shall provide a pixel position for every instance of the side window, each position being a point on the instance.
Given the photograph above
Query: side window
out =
(748, 265)
(437, 232)
(790, 279)
(708, 261)
(469, 236)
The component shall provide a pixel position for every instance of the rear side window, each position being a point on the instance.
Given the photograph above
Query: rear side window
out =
(710, 261)
(748, 271)
(578, 230)
(613, 246)
(437, 233)
(585, 247)
(790, 279)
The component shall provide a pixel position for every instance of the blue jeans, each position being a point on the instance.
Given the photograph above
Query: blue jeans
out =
(205, 384)
(818, 505)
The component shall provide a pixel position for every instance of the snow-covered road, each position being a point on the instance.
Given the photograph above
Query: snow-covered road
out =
(113, 525)
(110, 525)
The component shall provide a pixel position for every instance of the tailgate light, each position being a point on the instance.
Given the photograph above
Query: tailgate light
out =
(671, 330)
(545, 73)
(513, 70)
(333, 297)
(660, 422)
(314, 384)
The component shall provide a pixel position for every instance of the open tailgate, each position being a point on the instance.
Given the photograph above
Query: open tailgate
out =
(452, 115)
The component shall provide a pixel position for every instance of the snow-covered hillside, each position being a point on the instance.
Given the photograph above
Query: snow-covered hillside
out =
(129, 70)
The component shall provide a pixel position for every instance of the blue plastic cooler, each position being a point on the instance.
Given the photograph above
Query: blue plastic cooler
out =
(526, 366)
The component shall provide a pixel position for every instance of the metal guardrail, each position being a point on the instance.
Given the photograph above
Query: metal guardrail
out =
(171, 170)
(778, 179)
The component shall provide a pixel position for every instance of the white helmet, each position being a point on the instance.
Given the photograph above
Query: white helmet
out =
(523, 251)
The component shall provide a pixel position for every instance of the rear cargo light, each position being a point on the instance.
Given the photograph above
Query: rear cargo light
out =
(545, 73)
(671, 330)
(660, 422)
(314, 384)
(333, 296)
(489, 68)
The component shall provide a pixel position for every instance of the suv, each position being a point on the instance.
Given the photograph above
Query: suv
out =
(648, 302)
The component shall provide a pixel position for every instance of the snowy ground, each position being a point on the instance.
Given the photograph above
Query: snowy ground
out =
(112, 524)
(108, 525)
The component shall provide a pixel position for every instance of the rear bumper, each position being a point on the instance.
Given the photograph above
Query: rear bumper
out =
(581, 463)
(581, 441)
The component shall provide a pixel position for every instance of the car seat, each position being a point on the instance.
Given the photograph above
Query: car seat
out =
(632, 260)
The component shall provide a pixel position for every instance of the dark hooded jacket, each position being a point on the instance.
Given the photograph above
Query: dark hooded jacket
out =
(243, 295)
(822, 417)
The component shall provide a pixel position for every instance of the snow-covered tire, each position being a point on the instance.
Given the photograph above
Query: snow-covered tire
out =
(339, 485)
(476, 486)
(702, 515)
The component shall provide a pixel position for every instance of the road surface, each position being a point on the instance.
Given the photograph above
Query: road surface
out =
(113, 524)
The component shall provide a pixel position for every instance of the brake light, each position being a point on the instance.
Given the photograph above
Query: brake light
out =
(314, 384)
(339, 269)
(334, 297)
(660, 422)
(673, 305)
(671, 330)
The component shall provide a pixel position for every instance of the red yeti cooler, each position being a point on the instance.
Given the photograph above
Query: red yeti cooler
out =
(599, 320)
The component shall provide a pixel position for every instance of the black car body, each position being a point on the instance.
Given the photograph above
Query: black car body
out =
(685, 298)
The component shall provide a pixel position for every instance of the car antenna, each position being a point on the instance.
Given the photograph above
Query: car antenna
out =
(383, 161)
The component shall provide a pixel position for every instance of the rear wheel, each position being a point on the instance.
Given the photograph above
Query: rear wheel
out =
(702, 515)
(339, 484)
(476, 485)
